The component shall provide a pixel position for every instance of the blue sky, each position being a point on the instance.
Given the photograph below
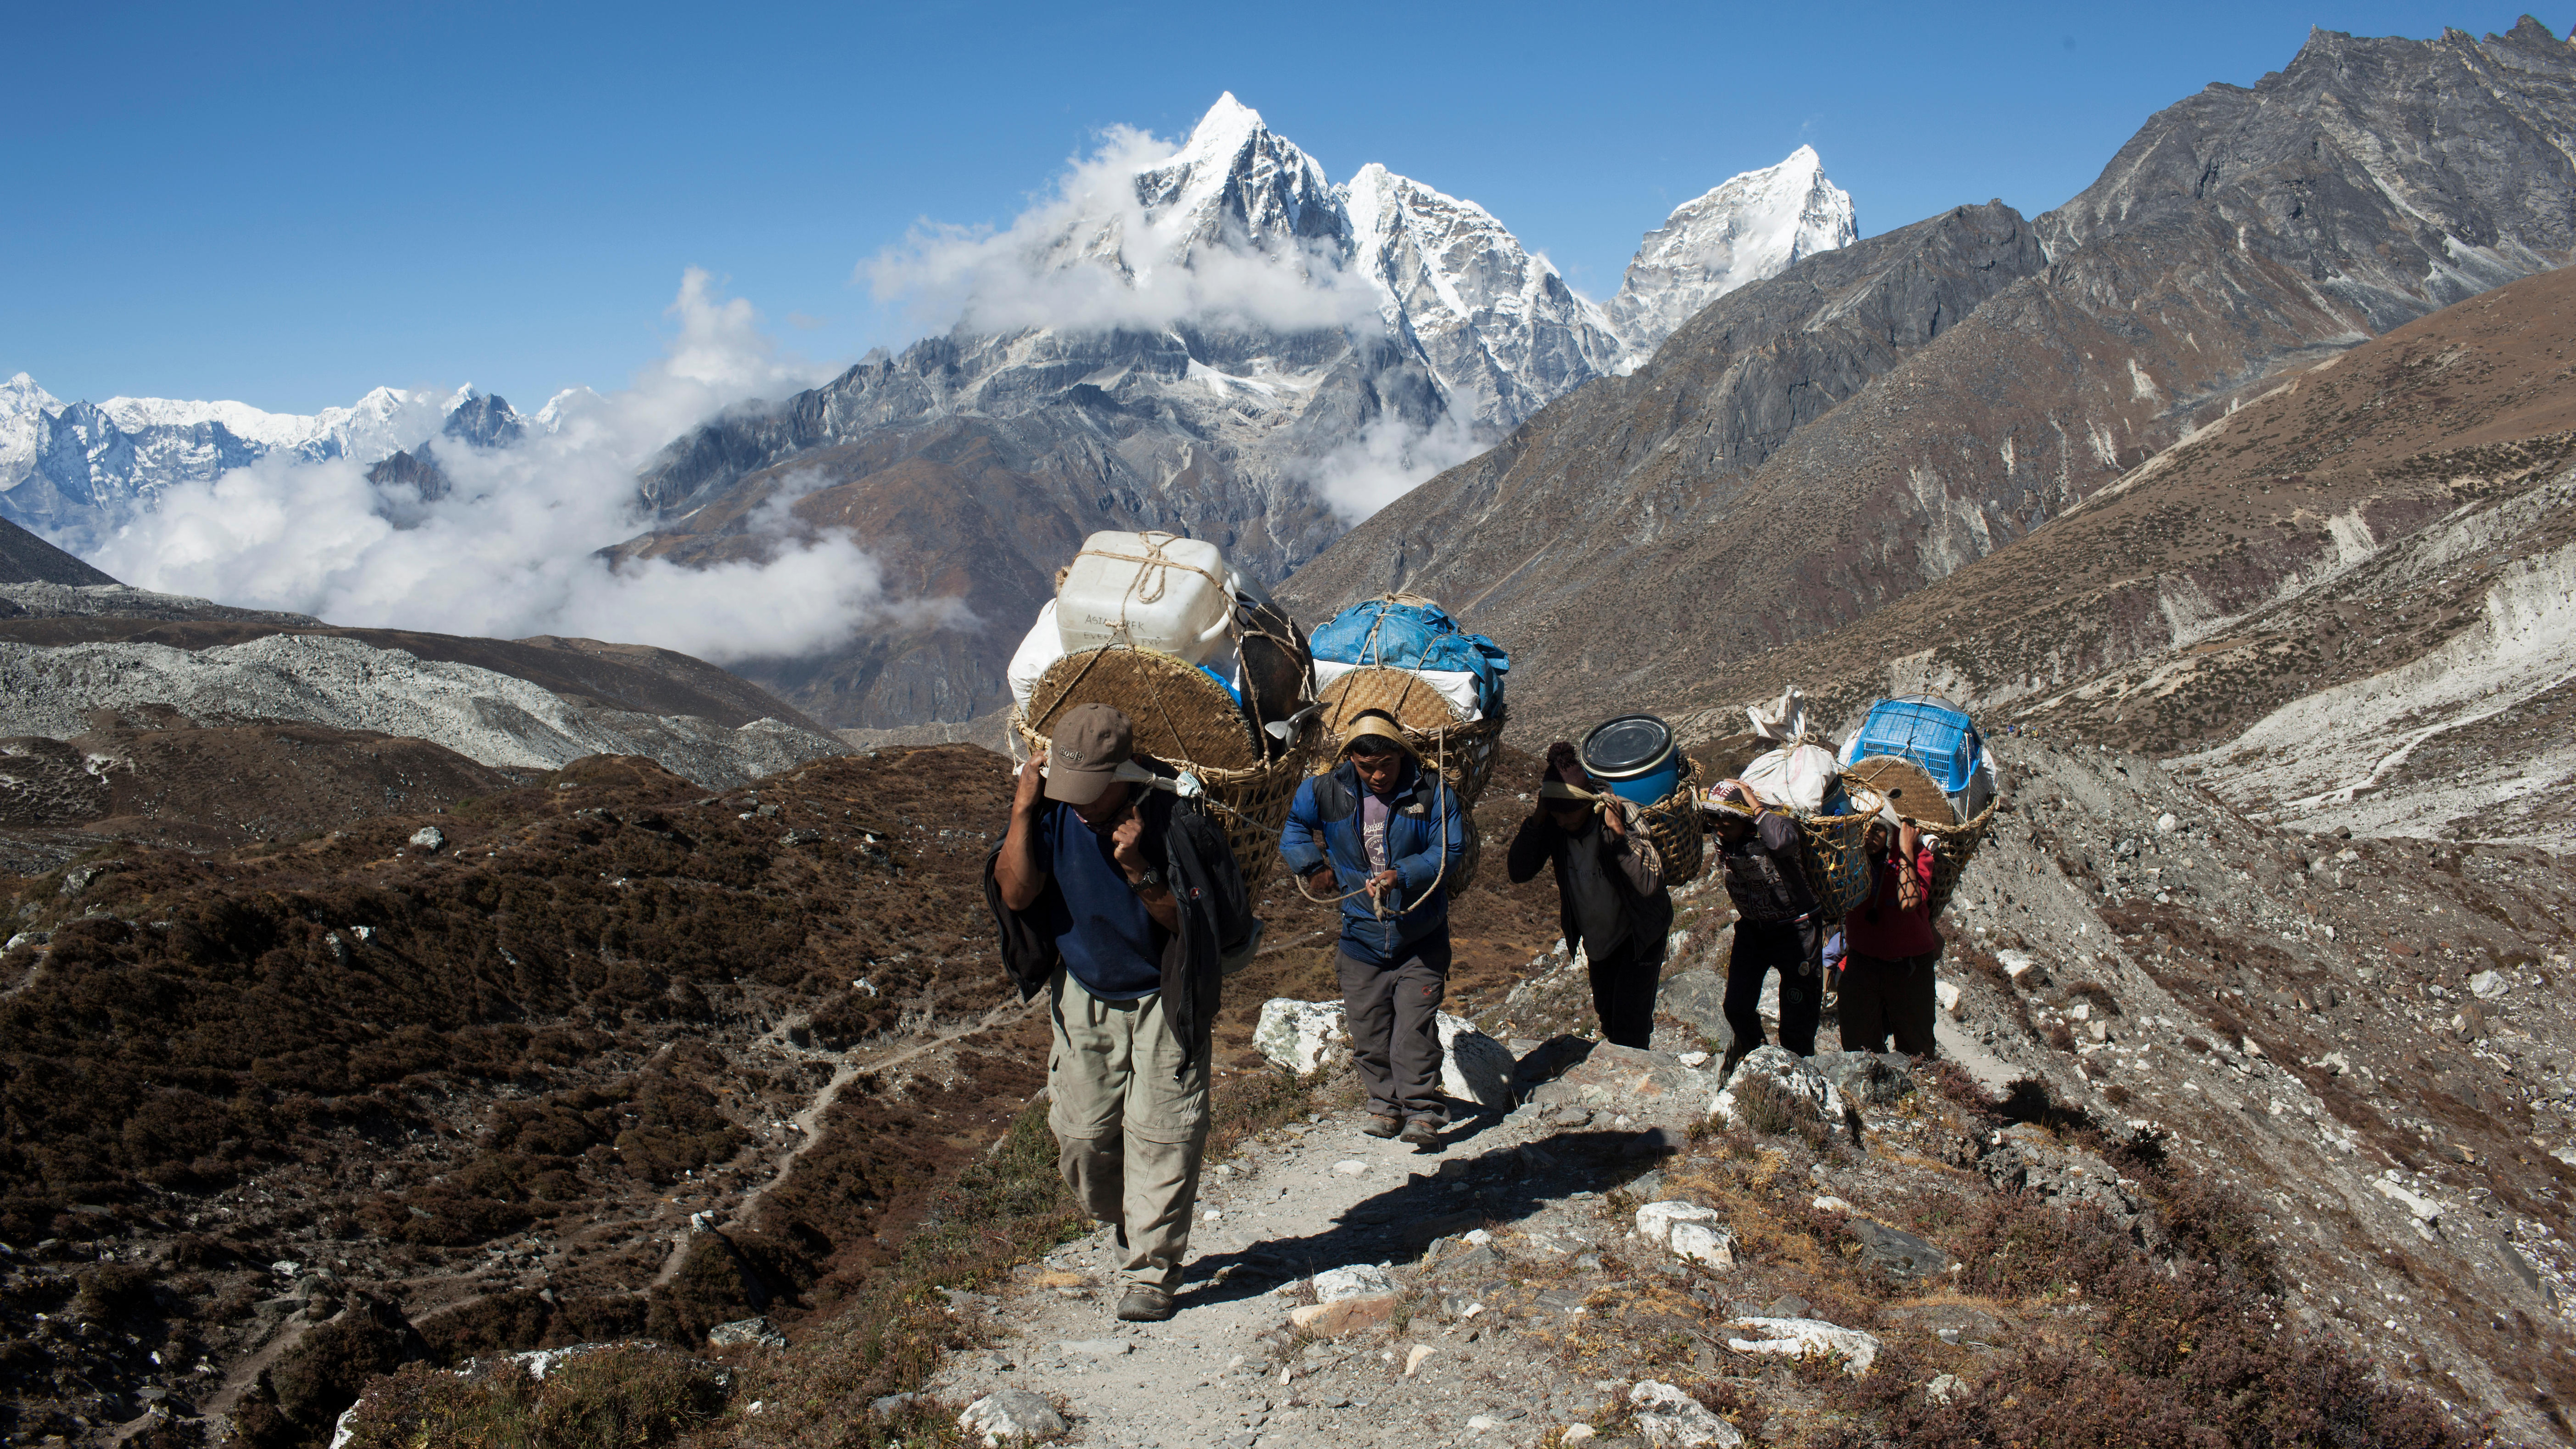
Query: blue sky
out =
(291, 204)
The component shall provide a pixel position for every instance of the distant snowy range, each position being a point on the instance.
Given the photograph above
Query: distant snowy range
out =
(1214, 310)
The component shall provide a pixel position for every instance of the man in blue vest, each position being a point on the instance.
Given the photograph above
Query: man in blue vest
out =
(1387, 835)
(1120, 902)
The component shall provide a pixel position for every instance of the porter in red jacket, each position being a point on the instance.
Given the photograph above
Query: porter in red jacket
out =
(1887, 975)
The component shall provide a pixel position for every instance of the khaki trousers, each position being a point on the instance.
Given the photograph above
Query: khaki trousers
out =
(1130, 1124)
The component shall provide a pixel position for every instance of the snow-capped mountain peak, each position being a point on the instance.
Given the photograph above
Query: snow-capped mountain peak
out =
(1236, 182)
(1494, 320)
(1753, 226)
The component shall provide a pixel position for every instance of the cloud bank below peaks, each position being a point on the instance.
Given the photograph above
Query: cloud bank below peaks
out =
(513, 548)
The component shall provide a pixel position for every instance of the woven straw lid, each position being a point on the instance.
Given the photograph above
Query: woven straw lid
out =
(1404, 697)
(1914, 794)
(1182, 716)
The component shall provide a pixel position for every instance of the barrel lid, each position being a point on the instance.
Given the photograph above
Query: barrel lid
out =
(1628, 745)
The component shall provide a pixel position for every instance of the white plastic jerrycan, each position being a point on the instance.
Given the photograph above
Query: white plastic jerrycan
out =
(1155, 591)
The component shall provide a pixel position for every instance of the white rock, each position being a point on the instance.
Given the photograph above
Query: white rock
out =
(1350, 1167)
(1302, 1036)
(1577, 1434)
(1358, 1281)
(2165, 823)
(1414, 1356)
(1693, 1060)
(1473, 1066)
(1655, 1220)
(1010, 1414)
(429, 838)
(2424, 1208)
(1793, 1073)
(1706, 1244)
(1948, 996)
(2017, 962)
(1808, 1338)
(1482, 1423)
(1671, 1419)
(1946, 1388)
(1832, 1204)
(2487, 985)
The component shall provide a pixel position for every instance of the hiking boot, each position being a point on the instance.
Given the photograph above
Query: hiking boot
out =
(1421, 1133)
(1383, 1126)
(1141, 1304)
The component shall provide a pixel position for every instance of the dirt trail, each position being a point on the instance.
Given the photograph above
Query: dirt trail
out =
(1326, 1196)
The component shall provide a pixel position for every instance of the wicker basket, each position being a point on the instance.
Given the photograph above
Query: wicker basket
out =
(1679, 833)
(1835, 851)
(1953, 846)
(1185, 719)
(1464, 752)
(1917, 797)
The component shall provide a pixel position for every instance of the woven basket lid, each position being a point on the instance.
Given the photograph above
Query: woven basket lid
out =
(1404, 697)
(1913, 792)
(1182, 716)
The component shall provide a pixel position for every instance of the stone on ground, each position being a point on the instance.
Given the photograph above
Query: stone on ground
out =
(1650, 1089)
(1900, 1253)
(1792, 1074)
(1358, 1281)
(1808, 1338)
(1691, 1232)
(1343, 1315)
(1868, 1079)
(1473, 1066)
(1672, 1419)
(746, 1330)
(1010, 1414)
(1302, 1036)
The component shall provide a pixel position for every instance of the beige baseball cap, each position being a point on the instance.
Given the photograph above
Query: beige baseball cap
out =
(1091, 741)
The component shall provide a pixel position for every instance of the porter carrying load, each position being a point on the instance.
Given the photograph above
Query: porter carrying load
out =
(1925, 756)
(1402, 656)
(1214, 676)
(1636, 757)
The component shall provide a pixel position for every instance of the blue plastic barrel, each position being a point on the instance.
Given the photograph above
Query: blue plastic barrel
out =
(1635, 757)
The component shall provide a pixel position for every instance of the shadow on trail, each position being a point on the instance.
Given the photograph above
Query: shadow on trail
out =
(1494, 1189)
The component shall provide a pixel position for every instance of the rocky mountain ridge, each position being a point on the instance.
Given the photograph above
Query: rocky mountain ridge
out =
(76, 471)
(2242, 233)
(1370, 330)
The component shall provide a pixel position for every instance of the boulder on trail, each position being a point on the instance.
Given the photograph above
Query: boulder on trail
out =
(1650, 1089)
(1473, 1066)
(1303, 1037)
(1009, 1416)
(1868, 1079)
(1787, 1075)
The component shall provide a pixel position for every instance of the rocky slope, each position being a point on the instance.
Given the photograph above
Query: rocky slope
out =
(1223, 344)
(27, 559)
(2241, 233)
(2344, 604)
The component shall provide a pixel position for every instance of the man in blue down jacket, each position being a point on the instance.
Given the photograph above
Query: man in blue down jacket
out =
(1388, 834)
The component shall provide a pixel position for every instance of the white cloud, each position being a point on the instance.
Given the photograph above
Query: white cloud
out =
(1088, 255)
(1390, 458)
(513, 549)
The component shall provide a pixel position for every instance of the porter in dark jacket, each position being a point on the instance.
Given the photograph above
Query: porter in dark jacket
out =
(1610, 891)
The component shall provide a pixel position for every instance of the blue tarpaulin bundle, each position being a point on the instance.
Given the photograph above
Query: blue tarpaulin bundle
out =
(1404, 635)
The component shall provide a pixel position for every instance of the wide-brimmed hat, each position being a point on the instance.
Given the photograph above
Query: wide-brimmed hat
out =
(1090, 742)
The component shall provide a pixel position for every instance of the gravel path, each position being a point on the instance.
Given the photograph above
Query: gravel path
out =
(1322, 1195)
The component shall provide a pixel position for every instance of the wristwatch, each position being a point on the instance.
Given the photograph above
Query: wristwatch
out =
(1148, 879)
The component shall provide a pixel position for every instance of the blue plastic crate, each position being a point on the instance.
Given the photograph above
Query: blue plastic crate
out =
(1933, 733)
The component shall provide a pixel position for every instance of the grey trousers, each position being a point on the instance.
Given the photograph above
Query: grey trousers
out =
(1130, 1123)
(1393, 1014)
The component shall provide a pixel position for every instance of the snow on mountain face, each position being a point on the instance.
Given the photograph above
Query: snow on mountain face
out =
(78, 471)
(1495, 323)
(1754, 226)
(1235, 183)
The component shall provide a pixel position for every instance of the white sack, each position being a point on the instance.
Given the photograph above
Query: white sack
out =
(1798, 776)
(1043, 646)
(1458, 686)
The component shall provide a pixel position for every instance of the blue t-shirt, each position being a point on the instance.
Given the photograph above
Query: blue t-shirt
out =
(1110, 942)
